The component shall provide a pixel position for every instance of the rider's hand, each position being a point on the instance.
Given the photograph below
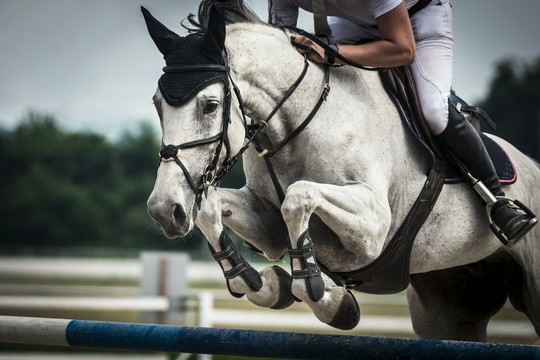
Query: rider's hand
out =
(300, 39)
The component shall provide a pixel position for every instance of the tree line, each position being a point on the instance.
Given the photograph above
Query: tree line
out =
(513, 101)
(62, 189)
(80, 190)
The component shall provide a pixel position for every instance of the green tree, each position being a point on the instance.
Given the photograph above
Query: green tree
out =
(78, 189)
(46, 187)
(513, 101)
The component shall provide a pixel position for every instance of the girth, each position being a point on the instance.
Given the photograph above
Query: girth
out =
(389, 273)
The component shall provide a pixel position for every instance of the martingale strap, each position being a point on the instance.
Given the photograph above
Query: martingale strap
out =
(267, 152)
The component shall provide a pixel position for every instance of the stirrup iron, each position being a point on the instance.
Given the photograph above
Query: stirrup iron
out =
(499, 232)
(491, 200)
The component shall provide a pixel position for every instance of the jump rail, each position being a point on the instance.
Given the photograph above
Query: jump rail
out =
(256, 343)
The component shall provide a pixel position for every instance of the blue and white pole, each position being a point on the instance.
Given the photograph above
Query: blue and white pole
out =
(276, 344)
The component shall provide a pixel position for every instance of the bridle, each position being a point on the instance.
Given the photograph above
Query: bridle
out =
(213, 173)
(170, 152)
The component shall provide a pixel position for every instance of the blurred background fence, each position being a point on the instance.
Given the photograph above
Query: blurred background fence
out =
(113, 289)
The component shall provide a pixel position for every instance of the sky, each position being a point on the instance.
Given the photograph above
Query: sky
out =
(92, 65)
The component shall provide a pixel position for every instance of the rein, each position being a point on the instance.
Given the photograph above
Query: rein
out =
(329, 50)
(212, 175)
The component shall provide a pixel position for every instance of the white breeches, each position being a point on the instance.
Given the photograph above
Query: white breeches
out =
(432, 68)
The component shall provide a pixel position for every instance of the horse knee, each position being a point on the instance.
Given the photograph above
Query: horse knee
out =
(299, 202)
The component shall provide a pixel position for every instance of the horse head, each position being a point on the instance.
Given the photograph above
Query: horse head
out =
(199, 135)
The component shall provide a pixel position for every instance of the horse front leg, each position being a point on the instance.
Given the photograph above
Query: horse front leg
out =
(256, 222)
(360, 220)
(235, 268)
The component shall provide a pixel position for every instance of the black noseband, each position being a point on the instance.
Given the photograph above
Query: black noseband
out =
(168, 151)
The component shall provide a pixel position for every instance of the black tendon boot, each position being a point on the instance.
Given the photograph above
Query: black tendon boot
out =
(509, 221)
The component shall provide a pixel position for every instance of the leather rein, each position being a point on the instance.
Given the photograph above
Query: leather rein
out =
(213, 172)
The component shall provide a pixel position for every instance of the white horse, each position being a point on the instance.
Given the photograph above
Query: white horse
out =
(348, 179)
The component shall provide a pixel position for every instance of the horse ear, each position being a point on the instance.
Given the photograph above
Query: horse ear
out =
(214, 38)
(163, 37)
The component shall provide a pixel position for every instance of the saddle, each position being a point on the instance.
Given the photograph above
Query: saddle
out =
(400, 84)
(389, 273)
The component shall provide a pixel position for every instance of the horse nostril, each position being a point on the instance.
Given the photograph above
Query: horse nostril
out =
(179, 214)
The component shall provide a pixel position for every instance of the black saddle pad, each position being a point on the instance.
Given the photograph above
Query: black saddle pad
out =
(502, 162)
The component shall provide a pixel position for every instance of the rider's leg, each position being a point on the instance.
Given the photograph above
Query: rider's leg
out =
(432, 72)
(464, 142)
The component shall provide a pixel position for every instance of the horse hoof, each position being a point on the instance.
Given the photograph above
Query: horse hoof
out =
(286, 298)
(348, 314)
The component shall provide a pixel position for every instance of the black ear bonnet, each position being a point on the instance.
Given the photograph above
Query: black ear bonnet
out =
(178, 87)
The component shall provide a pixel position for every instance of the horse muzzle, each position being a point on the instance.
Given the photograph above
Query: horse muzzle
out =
(171, 217)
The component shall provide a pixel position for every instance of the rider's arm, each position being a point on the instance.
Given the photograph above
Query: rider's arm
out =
(397, 46)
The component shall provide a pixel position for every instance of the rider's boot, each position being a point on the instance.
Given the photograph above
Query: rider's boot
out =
(461, 139)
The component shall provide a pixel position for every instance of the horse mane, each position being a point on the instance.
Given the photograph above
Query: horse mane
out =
(235, 11)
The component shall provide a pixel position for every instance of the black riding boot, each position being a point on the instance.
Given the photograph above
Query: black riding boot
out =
(462, 140)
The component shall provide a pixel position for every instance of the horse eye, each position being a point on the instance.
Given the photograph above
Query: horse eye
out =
(211, 106)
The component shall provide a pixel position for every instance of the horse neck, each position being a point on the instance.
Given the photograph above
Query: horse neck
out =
(264, 65)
